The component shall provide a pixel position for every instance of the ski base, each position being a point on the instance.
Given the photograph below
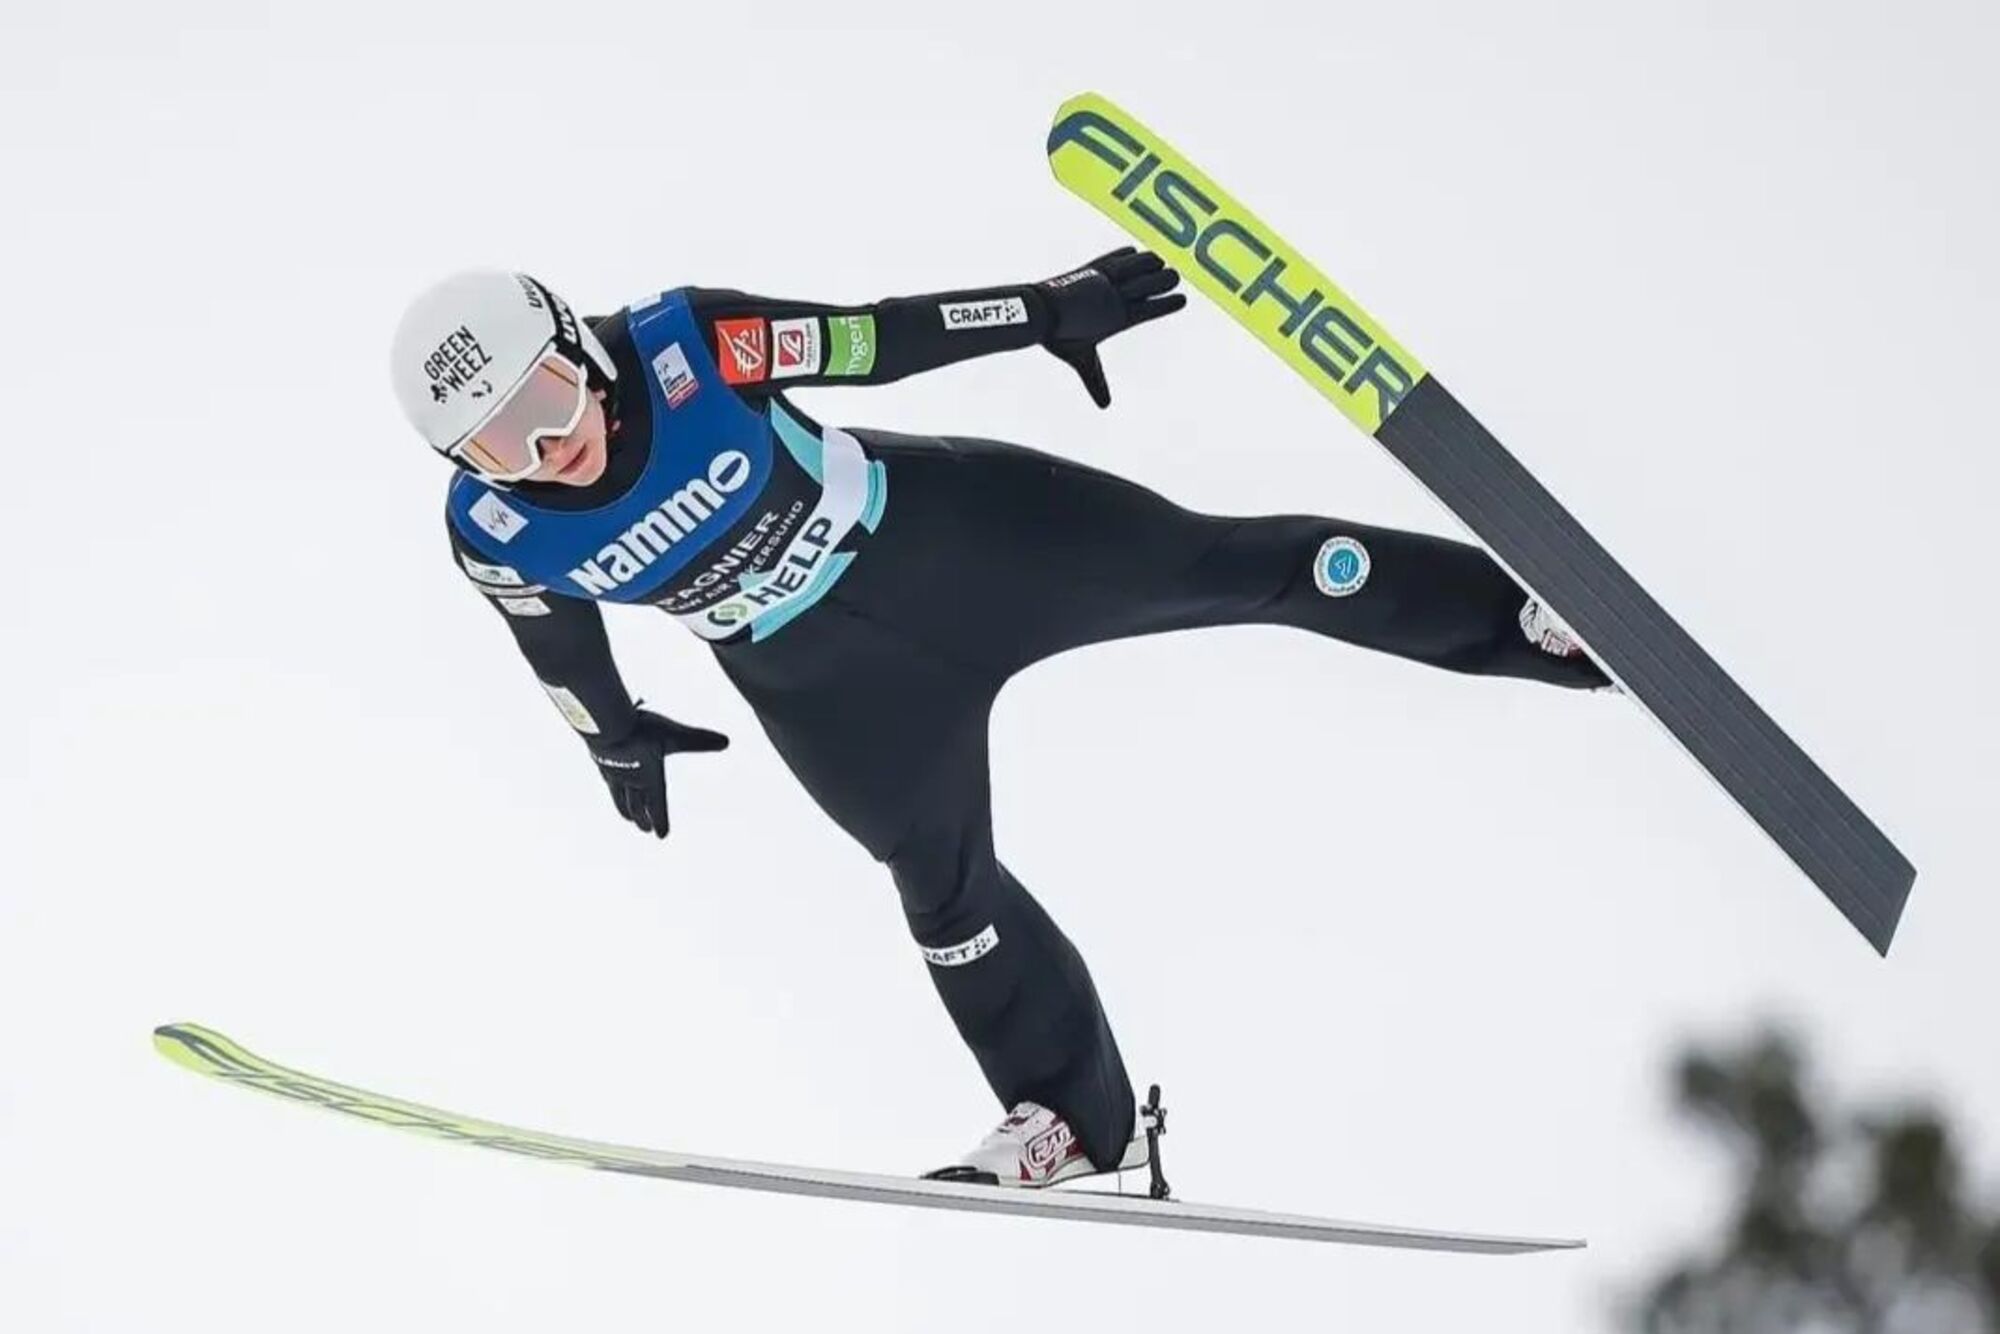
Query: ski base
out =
(1106, 157)
(210, 1053)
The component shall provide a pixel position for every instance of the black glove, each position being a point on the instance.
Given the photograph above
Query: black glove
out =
(634, 766)
(1106, 296)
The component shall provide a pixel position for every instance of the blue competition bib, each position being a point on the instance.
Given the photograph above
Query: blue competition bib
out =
(724, 528)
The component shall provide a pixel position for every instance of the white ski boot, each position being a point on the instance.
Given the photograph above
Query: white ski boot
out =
(1546, 631)
(1033, 1148)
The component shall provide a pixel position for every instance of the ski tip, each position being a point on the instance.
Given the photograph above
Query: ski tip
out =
(190, 1046)
(1085, 100)
(1077, 112)
(170, 1039)
(167, 1042)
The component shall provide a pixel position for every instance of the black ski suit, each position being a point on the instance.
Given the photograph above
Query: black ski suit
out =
(991, 557)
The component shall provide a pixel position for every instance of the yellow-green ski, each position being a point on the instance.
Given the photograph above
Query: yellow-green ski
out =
(1134, 177)
(209, 1053)
(1139, 181)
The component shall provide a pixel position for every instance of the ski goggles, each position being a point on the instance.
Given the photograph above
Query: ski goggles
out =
(506, 446)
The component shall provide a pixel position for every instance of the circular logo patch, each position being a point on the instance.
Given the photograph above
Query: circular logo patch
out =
(1341, 567)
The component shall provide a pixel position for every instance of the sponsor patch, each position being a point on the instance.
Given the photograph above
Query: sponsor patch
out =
(457, 363)
(983, 314)
(633, 551)
(565, 320)
(957, 956)
(572, 709)
(779, 573)
(850, 344)
(795, 347)
(1340, 567)
(741, 350)
(676, 377)
(523, 606)
(501, 576)
(500, 520)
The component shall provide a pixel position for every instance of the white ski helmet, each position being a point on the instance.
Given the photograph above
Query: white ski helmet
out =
(467, 344)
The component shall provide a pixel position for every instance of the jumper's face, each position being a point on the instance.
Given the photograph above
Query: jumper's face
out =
(577, 459)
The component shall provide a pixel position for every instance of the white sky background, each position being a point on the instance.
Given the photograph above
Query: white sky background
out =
(1403, 946)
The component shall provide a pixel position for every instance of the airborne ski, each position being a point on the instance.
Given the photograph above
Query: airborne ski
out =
(208, 1052)
(1134, 177)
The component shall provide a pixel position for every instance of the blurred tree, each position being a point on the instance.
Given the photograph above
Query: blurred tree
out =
(1843, 1223)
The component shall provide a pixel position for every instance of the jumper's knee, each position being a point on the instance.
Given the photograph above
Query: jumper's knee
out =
(949, 888)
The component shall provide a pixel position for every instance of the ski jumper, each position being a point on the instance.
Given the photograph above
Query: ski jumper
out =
(869, 594)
